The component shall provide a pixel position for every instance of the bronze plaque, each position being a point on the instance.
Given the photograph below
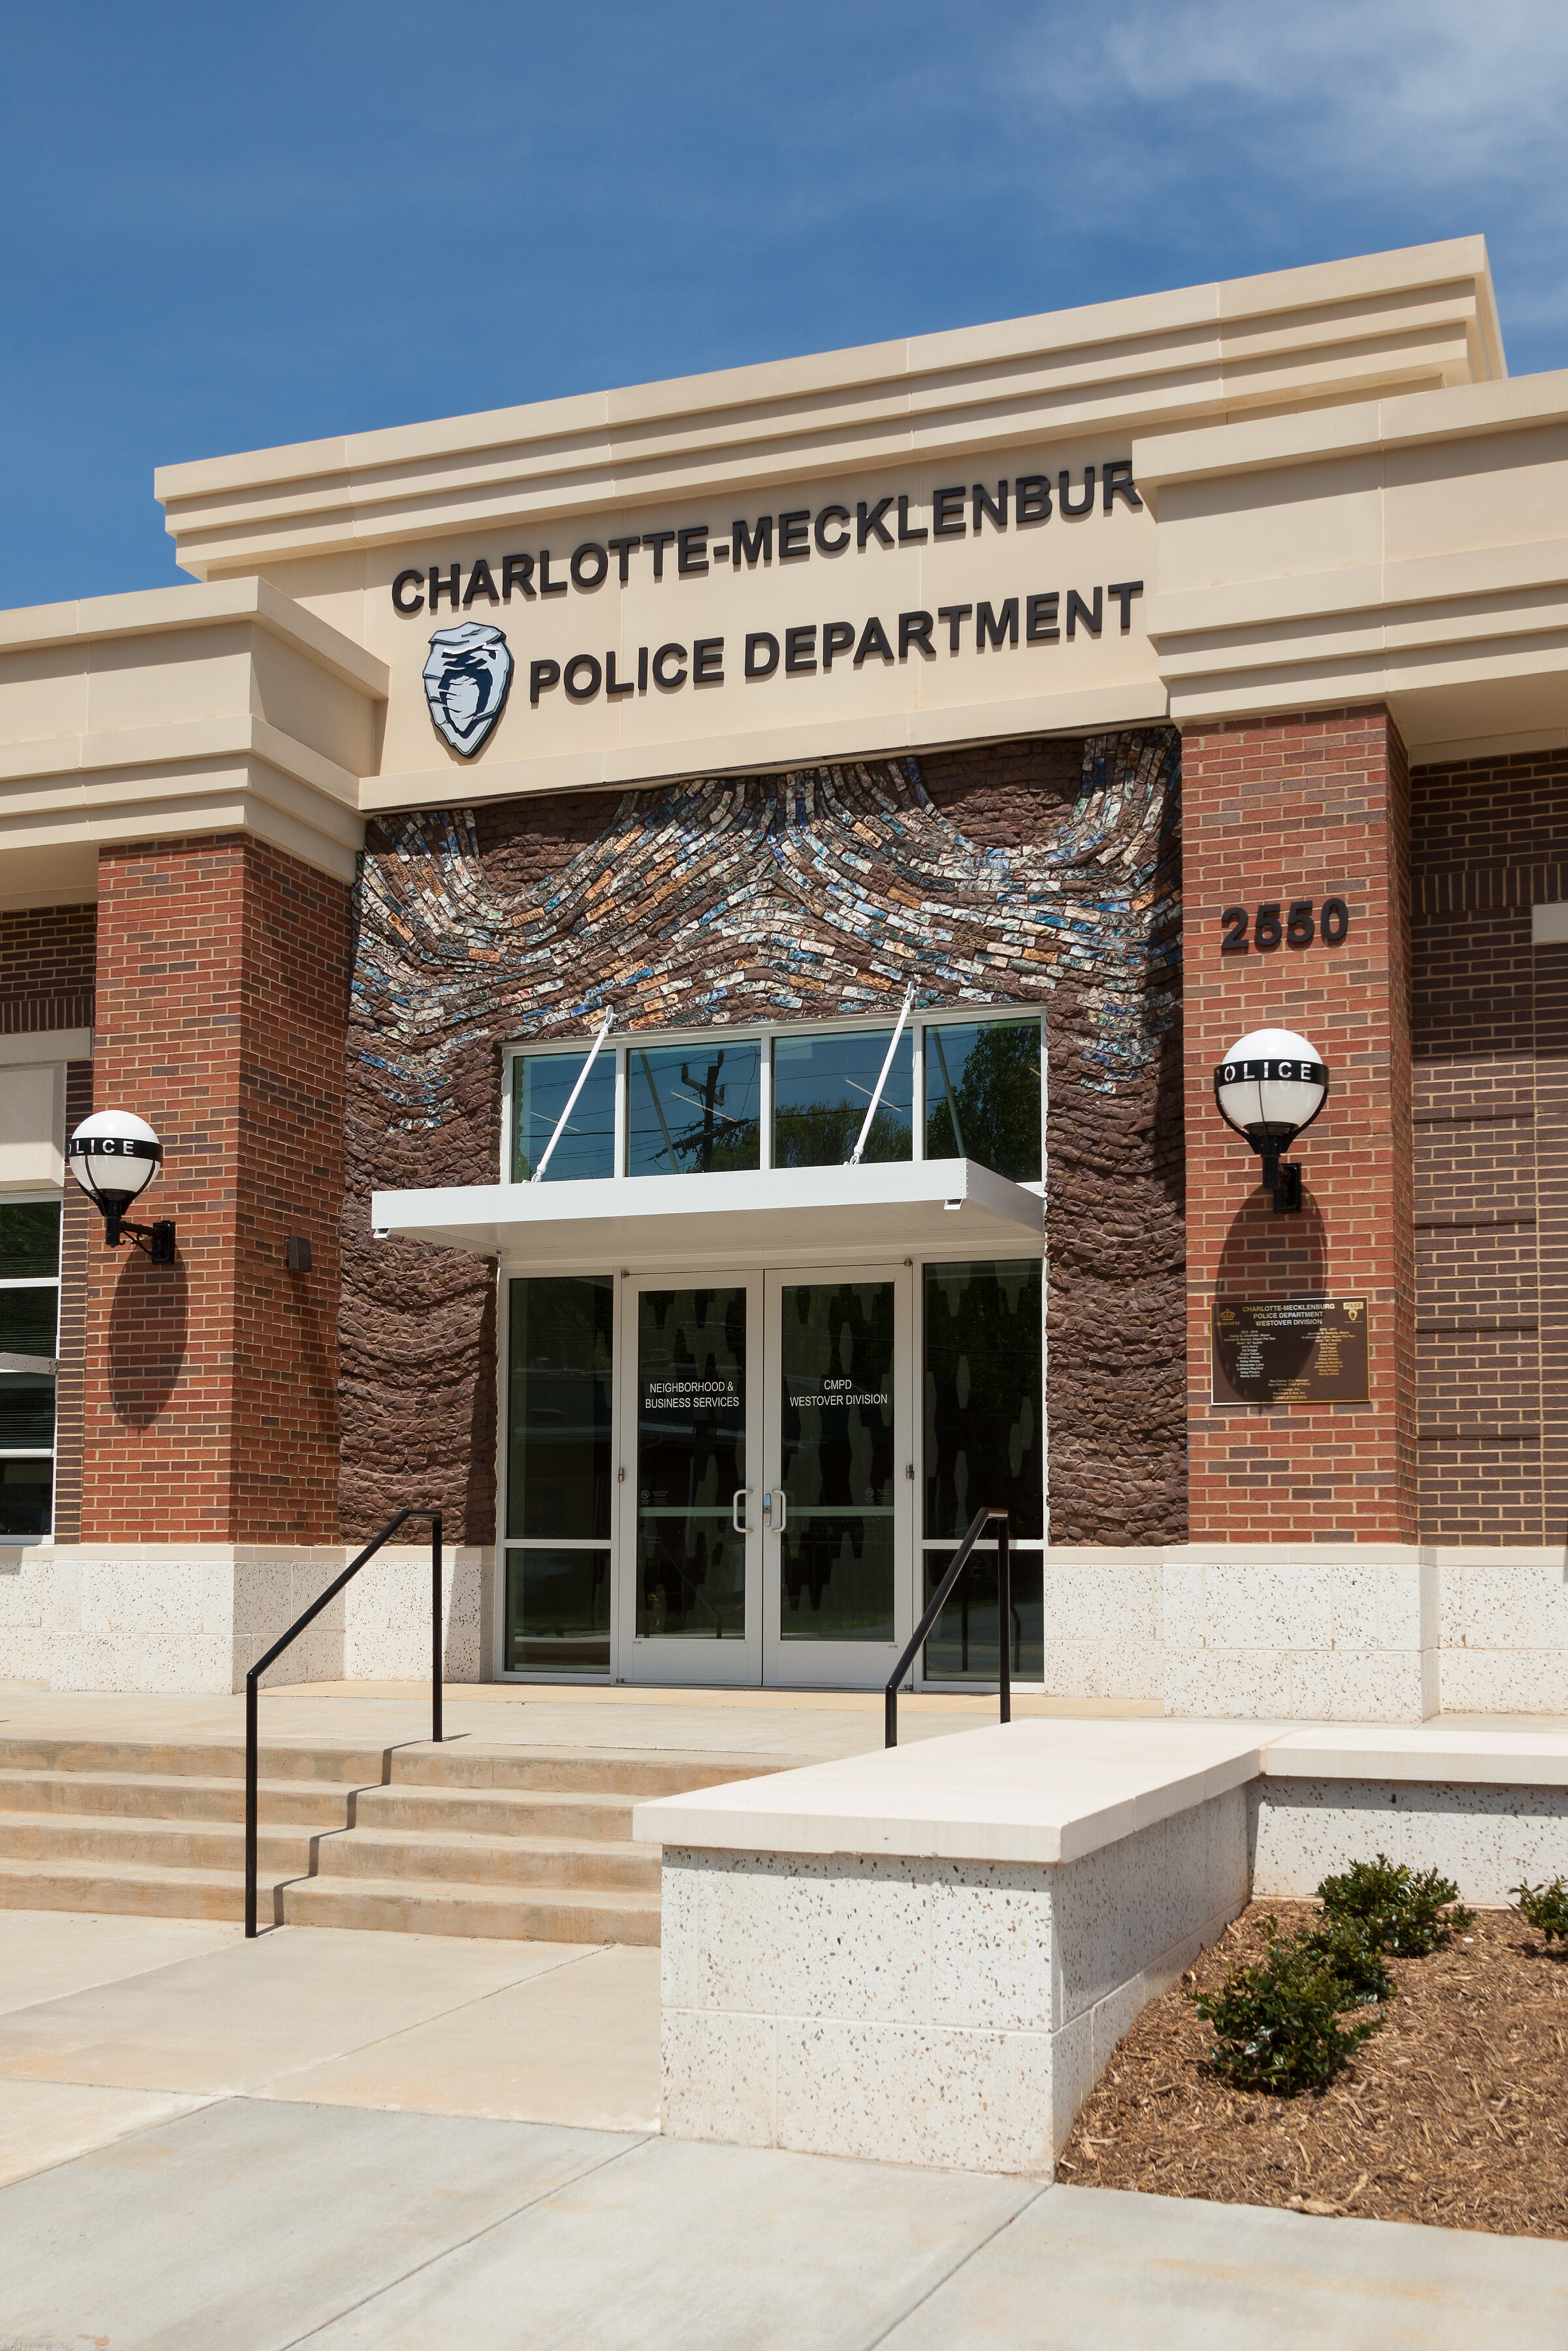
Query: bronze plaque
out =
(1279, 1351)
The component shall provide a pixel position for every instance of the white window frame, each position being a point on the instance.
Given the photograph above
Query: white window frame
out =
(763, 1034)
(43, 1195)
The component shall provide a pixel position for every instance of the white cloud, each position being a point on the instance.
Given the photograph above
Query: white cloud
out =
(1418, 93)
(1383, 122)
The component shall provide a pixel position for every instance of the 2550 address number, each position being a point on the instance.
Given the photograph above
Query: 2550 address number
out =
(1273, 925)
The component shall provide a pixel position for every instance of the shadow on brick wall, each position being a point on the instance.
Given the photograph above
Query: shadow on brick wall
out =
(147, 1330)
(1266, 1256)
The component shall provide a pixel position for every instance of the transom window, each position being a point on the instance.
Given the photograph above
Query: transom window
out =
(955, 1087)
(29, 1342)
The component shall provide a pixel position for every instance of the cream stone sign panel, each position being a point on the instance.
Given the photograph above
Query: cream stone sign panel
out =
(847, 616)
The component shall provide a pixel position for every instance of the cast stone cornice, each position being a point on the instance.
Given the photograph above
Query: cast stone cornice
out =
(1329, 332)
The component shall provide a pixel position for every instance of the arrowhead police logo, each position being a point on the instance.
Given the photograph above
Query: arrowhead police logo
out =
(465, 681)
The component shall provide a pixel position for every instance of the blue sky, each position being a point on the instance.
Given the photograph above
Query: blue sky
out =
(226, 227)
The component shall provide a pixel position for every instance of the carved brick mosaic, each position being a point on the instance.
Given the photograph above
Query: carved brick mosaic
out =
(1034, 872)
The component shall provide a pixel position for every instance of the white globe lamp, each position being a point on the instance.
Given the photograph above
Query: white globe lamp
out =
(114, 1156)
(1269, 1087)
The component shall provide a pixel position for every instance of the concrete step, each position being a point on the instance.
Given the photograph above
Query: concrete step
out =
(173, 1796)
(409, 1907)
(462, 1858)
(532, 1914)
(47, 1837)
(138, 1888)
(495, 1812)
(467, 1764)
(458, 1763)
(198, 1759)
(457, 1856)
(459, 1839)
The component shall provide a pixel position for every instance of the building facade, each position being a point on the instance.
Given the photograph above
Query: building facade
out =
(677, 942)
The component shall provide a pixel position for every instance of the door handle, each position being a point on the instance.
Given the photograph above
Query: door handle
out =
(735, 1501)
(777, 1494)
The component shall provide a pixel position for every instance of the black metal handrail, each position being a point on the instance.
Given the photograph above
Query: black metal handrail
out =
(977, 1524)
(252, 1679)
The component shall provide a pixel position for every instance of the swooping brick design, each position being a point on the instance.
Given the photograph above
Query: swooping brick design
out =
(1010, 874)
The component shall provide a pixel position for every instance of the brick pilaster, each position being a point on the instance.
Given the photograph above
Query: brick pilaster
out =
(1280, 809)
(211, 1385)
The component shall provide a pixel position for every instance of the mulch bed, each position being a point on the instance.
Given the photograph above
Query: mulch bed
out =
(1455, 2113)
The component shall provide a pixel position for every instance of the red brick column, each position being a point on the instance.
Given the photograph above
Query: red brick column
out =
(1283, 809)
(211, 1385)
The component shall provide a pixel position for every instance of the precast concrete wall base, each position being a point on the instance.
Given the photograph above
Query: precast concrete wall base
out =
(1488, 1840)
(953, 2013)
(1245, 1631)
(927, 1955)
(191, 1619)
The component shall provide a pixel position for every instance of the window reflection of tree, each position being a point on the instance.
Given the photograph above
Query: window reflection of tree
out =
(823, 1134)
(982, 1096)
(822, 1088)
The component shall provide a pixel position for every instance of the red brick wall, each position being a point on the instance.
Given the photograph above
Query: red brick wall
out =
(211, 1385)
(1280, 809)
(1490, 1025)
(46, 968)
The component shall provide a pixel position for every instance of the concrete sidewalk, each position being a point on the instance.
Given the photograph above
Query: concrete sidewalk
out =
(411, 2142)
(108, 2023)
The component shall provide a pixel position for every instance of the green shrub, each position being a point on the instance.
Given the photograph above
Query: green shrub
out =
(1278, 2024)
(1393, 1908)
(1356, 1958)
(1544, 1907)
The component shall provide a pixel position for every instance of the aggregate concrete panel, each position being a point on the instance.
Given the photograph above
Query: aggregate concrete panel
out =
(1487, 1837)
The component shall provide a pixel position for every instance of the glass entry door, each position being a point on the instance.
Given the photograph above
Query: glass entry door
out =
(838, 1473)
(691, 1508)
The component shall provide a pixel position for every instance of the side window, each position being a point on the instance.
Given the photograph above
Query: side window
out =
(983, 1377)
(822, 1089)
(29, 1326)
(560, 1360)
(694, 1109)
(983, 1095)
(542, 1088)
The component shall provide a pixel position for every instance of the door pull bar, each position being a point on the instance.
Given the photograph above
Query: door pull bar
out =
(735, 1501)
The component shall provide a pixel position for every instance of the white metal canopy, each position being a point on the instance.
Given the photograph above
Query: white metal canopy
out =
(909, 1206)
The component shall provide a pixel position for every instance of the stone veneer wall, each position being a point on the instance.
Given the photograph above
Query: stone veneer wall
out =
(1017, 873)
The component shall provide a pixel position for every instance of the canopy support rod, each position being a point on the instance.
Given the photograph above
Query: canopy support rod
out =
(854, 1158)
(571, 1098)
